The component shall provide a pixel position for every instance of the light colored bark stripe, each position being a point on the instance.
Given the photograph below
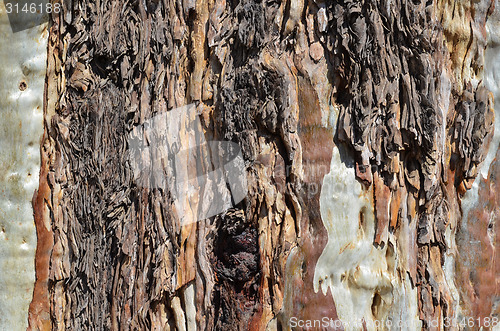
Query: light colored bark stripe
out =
(22, 73)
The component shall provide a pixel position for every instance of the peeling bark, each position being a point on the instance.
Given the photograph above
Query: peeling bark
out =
(390, 92)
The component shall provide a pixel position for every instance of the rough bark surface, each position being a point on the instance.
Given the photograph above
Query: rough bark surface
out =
(396, 84)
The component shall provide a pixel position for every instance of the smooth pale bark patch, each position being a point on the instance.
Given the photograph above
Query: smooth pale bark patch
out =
(22, 73)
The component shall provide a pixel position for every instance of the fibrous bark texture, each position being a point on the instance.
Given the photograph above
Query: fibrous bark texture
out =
(362, 124)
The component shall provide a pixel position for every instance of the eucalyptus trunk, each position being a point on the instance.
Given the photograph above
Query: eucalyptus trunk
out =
(365, 127)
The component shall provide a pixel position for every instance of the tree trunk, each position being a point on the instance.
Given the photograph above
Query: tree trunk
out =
(362, 125)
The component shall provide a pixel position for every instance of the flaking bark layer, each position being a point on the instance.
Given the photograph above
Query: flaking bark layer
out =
(288, 82)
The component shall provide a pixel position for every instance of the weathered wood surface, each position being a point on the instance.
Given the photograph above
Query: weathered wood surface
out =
(395, 86)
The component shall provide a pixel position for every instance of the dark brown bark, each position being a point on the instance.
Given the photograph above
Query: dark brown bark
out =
(288, 82)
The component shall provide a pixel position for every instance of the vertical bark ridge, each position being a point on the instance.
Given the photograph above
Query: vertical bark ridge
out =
(396, 86)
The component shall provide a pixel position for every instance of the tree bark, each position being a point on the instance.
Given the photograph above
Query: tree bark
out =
(353, 117)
